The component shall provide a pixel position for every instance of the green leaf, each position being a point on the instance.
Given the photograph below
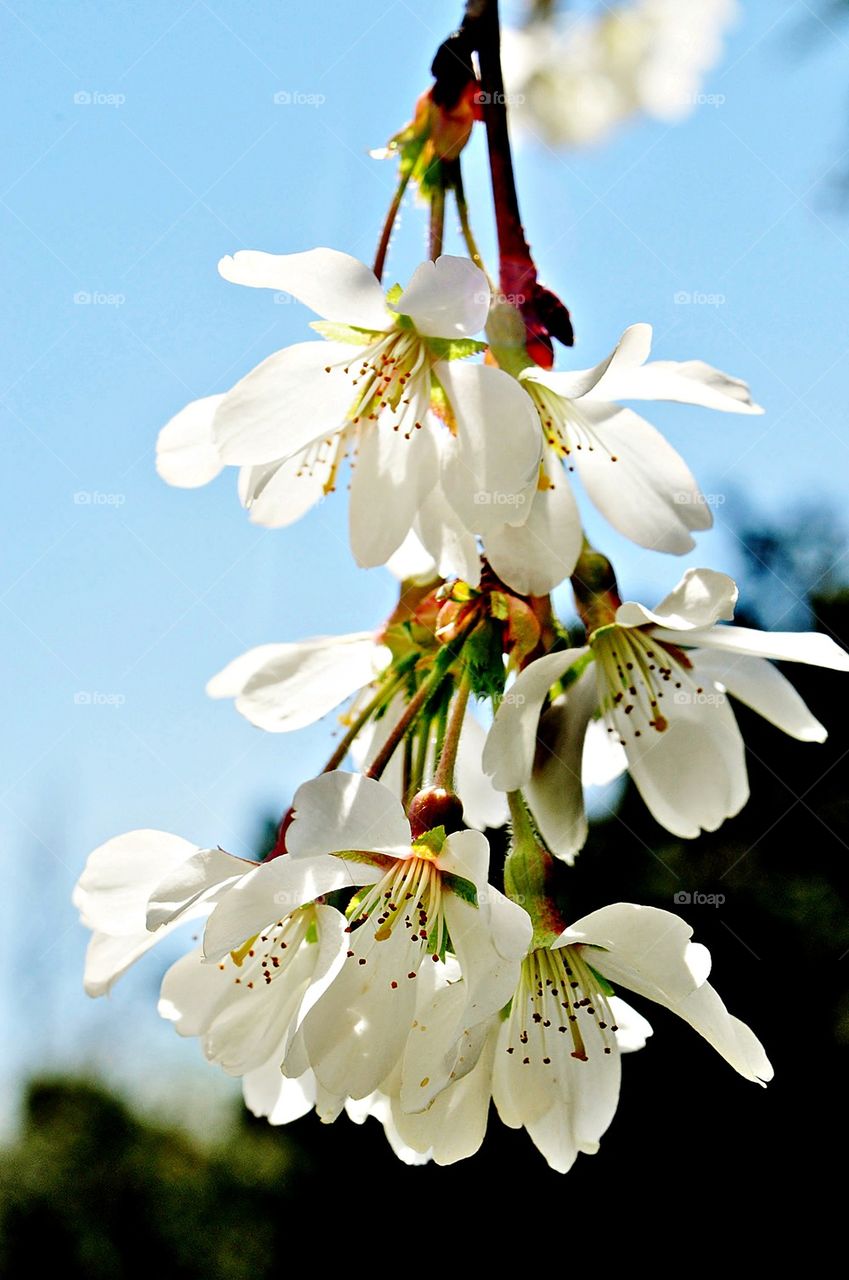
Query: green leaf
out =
(335, 331)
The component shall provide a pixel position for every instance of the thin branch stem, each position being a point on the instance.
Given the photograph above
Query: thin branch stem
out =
(437, 222)
(513, 248)
(383, 696)
(388, 227)
(465, 224)
(444, 775)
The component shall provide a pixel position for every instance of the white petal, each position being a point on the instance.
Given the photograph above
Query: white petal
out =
(333, 284)
(604, 757)
(649, 493)
(271, 1095)
(287, 402)
(231, 680)
(455, 1125)
(108, 957)
(355, 1034)
(338, 811)
(632, 1029)
(412, 562)
(692, 776)
(119, 877)
(272, 891)
(701, 598)
(643, 948)
(448, 298)
(391, 477)
(277, 494)
(186, 455)
(630, 352)
(296, 684)
(762, 687)
(192, 993)
(555, 791)
(508, 755)
(491, 468)
(191, 882)
(810, 647)
(483, 806)
(685, 381)
(448, 541)
(533, 558)
(731, 1038)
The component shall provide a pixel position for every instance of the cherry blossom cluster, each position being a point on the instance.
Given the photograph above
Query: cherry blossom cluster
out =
(378, 961)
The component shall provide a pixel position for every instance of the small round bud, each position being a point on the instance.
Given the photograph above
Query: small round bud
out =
(435, 807)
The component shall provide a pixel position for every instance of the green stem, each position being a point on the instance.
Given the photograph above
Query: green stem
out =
(444, 775)
(388, 226)
(437, 221)
(442, 664)
(465, 224)
(383, 696)
(529, 874)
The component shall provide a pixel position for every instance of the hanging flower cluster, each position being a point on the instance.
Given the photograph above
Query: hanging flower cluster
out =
(375, 961)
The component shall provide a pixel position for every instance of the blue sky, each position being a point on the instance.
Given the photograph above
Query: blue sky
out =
(143, 142)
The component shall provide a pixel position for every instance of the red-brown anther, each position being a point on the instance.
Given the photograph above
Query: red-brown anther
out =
(435, 807)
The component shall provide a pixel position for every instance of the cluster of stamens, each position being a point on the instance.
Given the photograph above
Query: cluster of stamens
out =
(558, 996)
(266, 956)
(392, 373)
(409, 896)
(633, 669)
(564, 426)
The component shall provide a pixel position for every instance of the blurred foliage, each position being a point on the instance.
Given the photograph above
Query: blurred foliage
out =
(695, 1154)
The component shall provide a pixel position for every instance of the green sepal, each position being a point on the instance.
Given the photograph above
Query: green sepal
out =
(336, 331)
(455, 348)
(483, 655)
(603, 985)
(432, 840)
(393, 295)
(383, 861)
(464, 889)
